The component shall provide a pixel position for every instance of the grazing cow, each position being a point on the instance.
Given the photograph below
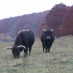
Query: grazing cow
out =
(47, 38)
(24, 41)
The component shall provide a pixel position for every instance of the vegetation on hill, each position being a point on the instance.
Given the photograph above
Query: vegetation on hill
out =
(60, 18)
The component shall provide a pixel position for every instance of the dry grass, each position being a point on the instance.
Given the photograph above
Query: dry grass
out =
(59, 60)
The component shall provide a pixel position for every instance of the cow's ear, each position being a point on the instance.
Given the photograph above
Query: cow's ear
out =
(52, 30)
(43, 29)
(9, 47)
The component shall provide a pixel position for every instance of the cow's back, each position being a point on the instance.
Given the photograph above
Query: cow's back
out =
(27, 38)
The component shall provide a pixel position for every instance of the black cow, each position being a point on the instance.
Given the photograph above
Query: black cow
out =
(23, 41)
(47, 38)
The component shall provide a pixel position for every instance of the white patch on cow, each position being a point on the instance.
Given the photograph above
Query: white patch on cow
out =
(48, 37)
(23, 31)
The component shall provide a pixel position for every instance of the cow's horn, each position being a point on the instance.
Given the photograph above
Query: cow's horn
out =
(9, 47)
(43, 29)
(21, 46)
(51, 29)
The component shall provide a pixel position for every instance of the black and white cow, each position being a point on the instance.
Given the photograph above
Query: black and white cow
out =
(23, 41)
(47, 39)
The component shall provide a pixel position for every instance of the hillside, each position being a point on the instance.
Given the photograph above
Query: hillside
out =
(60, 18)
(11, 26)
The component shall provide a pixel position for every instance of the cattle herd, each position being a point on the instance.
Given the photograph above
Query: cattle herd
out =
(25, 40)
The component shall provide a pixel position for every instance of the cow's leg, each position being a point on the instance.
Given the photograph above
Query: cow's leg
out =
(49, 47)
(48, 50)
(25, 51)
(43, 46)
(30, 50)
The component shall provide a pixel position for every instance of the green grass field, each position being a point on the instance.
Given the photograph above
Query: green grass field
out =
(59, 60)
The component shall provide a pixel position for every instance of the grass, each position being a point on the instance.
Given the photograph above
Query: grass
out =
(59, 60)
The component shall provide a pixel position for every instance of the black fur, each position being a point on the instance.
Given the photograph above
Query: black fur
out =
(25, 38)
(47, 38)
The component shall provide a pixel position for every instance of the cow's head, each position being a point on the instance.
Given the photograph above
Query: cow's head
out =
(16, 50)
(48, 33)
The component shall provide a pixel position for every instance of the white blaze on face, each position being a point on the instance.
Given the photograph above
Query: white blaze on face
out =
(48, 37)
